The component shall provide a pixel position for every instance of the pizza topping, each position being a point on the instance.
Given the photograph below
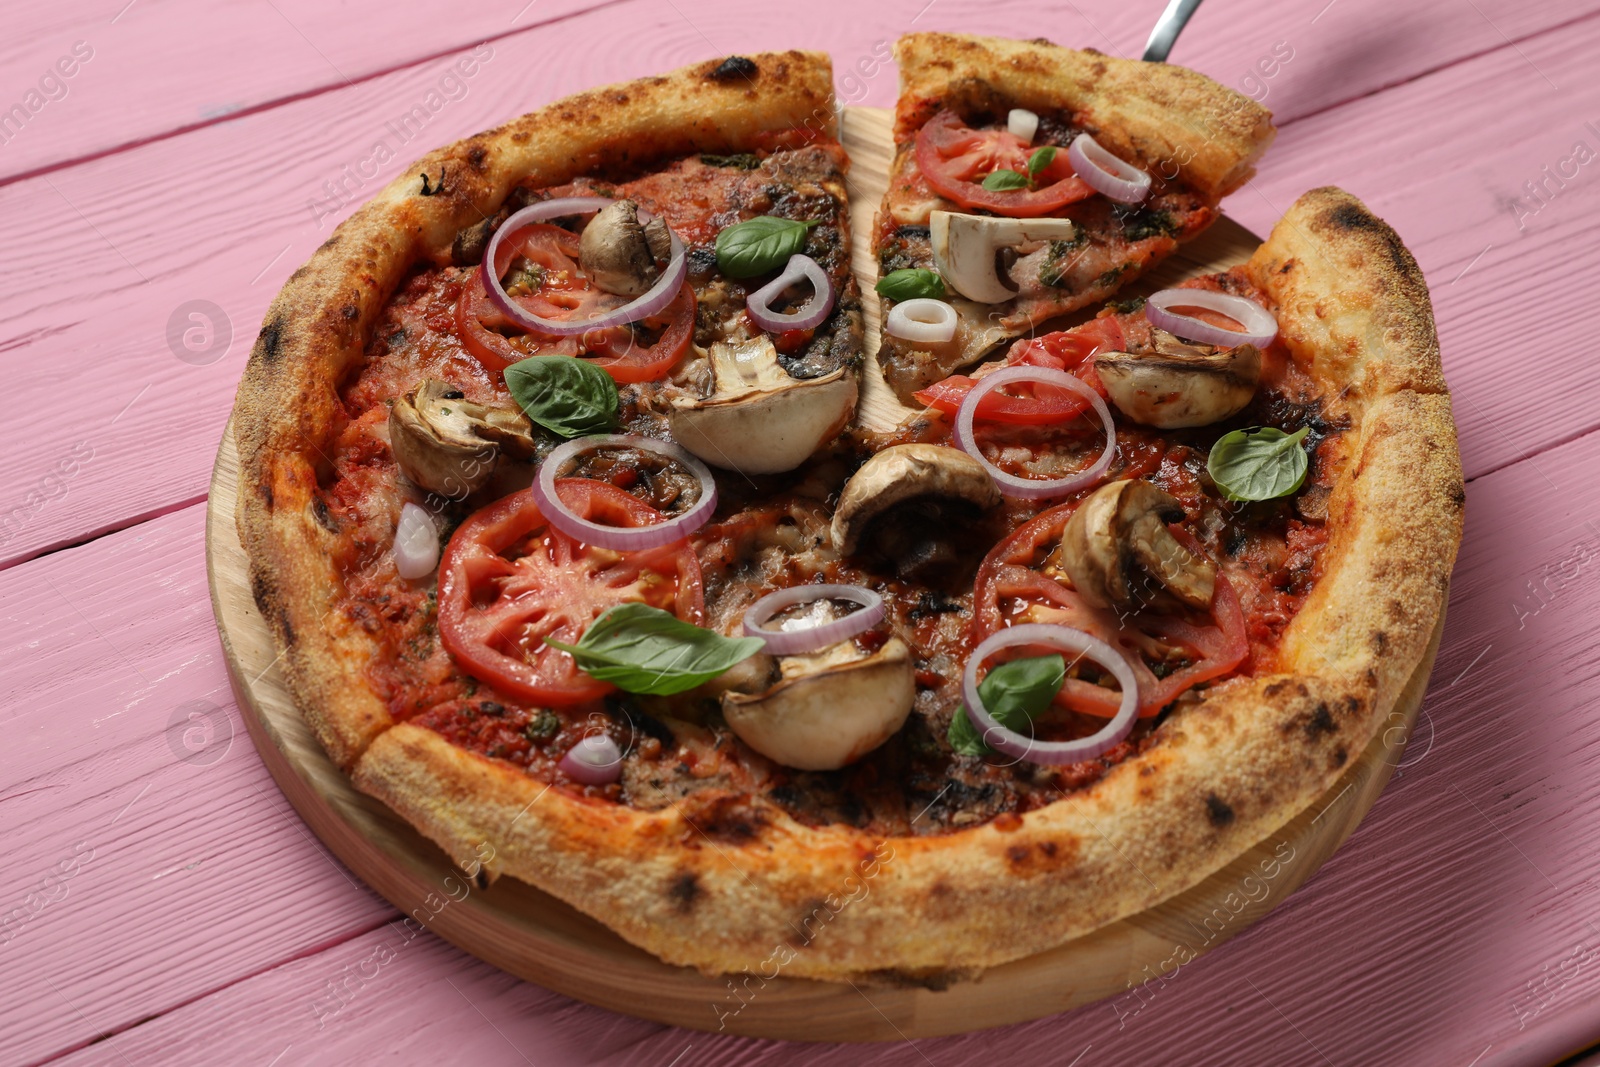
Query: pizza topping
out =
(1257, 325)
(642, 649)
(974, 253)
(756, 246)
(929, 475)
(911, 283)
(619, 253)
(416, 543)
(637, 536)
(1263, 463)
(1034, 488)
(448, 445)
(1180, 385)
(828, 709)
(1022, 124)
(818, 628)
(809, 315)
(567, 396)
(1119, 553)
(496, 262)
(922, 321)
(955, 159)
(1014, 693)
(1065, 639)
(594, 760)
(758, 419)
(1105, 173)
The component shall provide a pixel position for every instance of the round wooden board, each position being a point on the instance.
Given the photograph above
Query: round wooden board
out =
(530, 934)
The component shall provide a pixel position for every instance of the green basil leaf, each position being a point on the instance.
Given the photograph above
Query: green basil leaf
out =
(758, 245)
(1040, 159)
(646, 650)
(567, 396)
(1263, 463)
(911, 284)
(1004, 180)
(1014, 693)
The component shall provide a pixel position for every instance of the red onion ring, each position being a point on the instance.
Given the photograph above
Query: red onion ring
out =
(1033, 488)
(594, 760)
(617, 538)
(922, 320)
(812, 638)
(1260, 327)
(657, 297)
(1105, 173)
(809, 315)
(1064, 639)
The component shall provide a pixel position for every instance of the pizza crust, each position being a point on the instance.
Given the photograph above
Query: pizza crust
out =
(729, 884)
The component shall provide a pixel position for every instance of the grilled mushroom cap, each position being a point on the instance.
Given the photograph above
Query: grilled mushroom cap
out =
(447, 444)
(829, 708)
(974, 253)
(899, 474)
(1118, 552)
(619, 253)
(1180, 384)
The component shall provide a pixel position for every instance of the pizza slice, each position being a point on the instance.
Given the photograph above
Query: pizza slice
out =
(1030, 181)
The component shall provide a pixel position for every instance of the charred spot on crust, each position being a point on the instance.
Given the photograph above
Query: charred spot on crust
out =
(733, 67)
(269, 340)
(1039, 857)
(1279, 688)
(1218, 811)
(1380, 642)
(1458, 495)
(1321, 722)
(729, 819)
(1353, 217)
(476, 156)
(1340, 754)
(350, 312)
(685, 890)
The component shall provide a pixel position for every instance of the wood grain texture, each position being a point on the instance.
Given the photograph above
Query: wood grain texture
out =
(155, 418)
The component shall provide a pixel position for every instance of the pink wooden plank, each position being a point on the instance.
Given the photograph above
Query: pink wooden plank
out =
(162, 233)
(145, 858)
(1458, 923)
(105, 75)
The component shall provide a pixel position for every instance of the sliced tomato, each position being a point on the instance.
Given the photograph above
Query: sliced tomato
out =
(1009, 590)
(565, 292)
(955, 158)
(508, 580)
(1070, 350)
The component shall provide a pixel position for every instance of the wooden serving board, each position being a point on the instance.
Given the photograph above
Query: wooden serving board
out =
(530, 934)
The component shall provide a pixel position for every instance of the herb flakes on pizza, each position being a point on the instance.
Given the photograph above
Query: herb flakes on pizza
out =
(557, 500)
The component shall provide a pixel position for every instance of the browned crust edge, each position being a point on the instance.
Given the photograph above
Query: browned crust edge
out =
(1177, 119)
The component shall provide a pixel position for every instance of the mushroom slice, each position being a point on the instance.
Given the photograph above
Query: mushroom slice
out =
(829, 708)
(899, 474)
(619, 253)
(1118, 552)
(971, 250)
(758, 419)
(1179, 384)
(447, 444)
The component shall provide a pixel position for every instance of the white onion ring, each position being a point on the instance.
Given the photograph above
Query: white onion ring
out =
(935, 326)
(594, 760)
(809, 315)
(1105, 173)
(1033, 488)
(655, 298)
(617, 538)
(416, 543)
(811, 638)
(1260, 327)
(1023, 124)
(1064, 639)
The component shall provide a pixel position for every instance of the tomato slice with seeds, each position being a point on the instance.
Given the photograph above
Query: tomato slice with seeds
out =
(508, 580)
(955, 159)
(627, 352)
(1070, 350)
(1009, 590)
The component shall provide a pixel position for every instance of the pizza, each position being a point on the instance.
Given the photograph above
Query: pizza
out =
(563, 503)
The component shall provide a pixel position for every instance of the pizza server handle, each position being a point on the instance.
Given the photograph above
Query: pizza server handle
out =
(1165, 35)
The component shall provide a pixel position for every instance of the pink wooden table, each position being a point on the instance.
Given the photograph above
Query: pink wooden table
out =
(159, 901)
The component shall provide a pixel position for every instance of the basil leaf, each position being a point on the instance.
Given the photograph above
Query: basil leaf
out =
(758, 245)
(646, 650)
(1041, 159)
(567, 396)
(1014, 693)
(1004, 180)
(911, 284)
(1263, 463)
